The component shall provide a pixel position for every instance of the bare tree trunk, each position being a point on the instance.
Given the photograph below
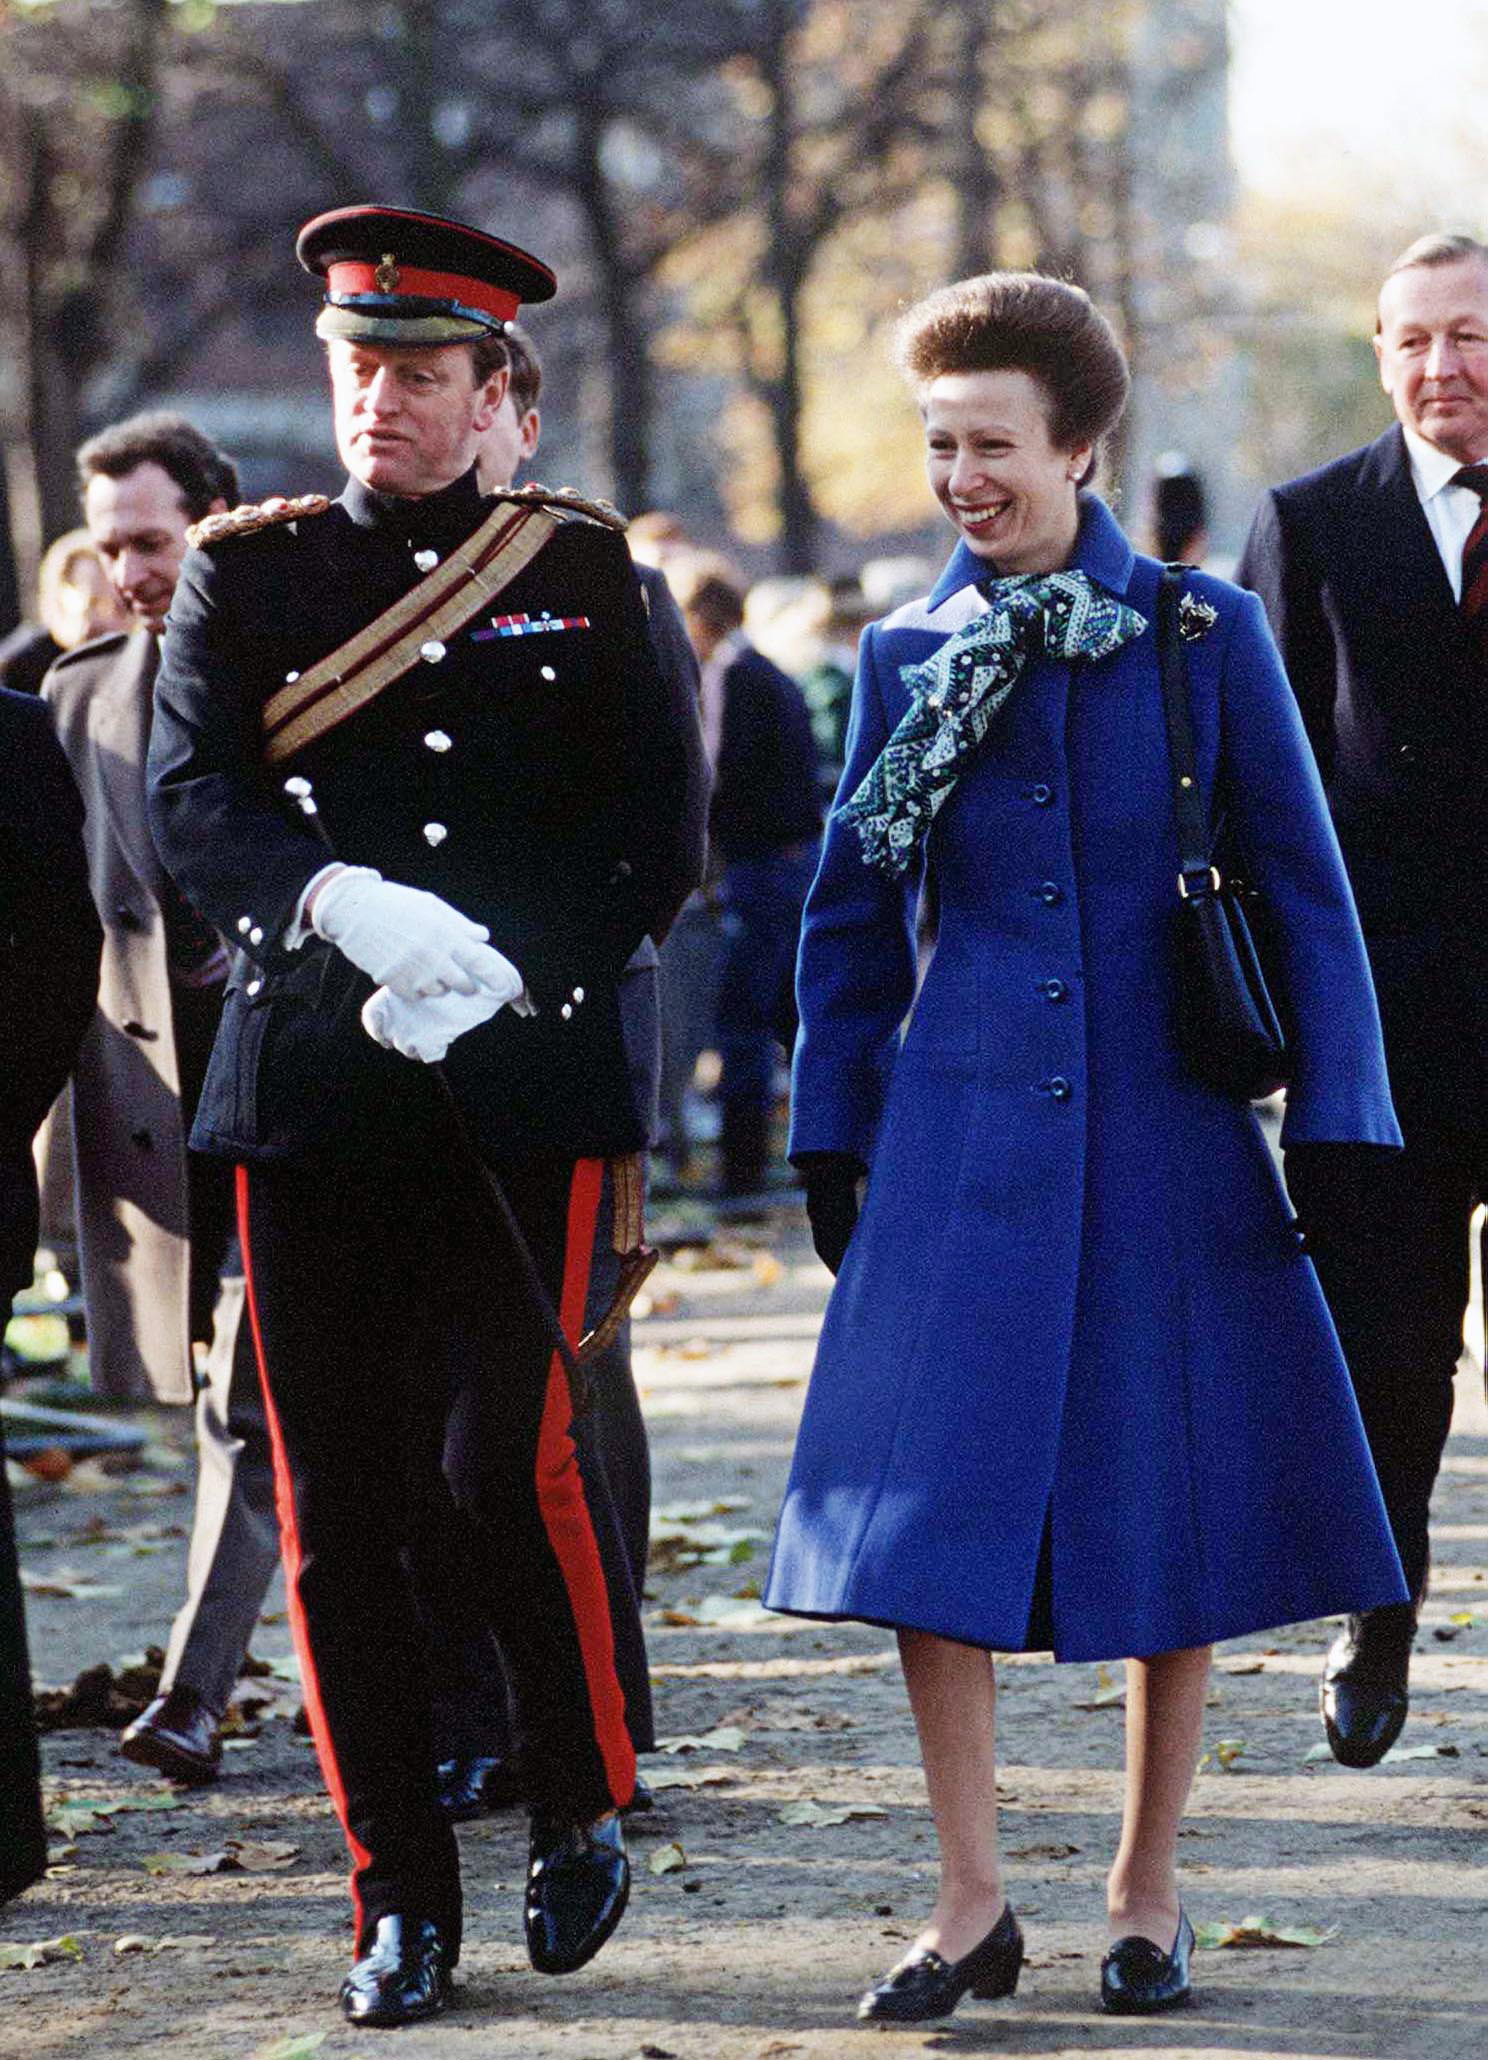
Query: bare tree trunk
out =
(973, 174)
(785, 263)
(628, 361)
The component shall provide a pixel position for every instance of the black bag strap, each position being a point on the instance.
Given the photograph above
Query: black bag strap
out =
(1196, 870)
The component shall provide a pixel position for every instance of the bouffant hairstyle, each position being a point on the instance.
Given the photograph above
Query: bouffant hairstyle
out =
(1022, 322)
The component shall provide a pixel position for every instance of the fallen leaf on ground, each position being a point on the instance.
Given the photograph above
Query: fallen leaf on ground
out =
(186, 1863)
(687, 1777)
(67, 1586)
(1110, 1691)
(826, 1813)
(727, 1738)
(667, 1859)
(1256, 1665)
(298, 2046)
(132, 1942)
(68, 1819)
(1224, 1755)
(261, 1855)
(767, 1269)
(39, 1951)
(1260, 1931)
(1043, 1852)
(1420, 1752)
(171, 1940)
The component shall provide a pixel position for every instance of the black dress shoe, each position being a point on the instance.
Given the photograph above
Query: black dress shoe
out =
(1364, 1693)
(1138, 1979)
(578, 1883)
(177, 1734)
(924, 1985)
(643, 1799)
(402, 1977)
(477, 1787)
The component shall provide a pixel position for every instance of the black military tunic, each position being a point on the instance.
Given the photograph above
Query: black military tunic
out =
(532, 770)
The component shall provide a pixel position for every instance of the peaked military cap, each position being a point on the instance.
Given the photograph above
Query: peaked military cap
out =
(395, 276)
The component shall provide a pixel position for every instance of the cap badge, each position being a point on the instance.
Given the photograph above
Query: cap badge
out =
(387, 274)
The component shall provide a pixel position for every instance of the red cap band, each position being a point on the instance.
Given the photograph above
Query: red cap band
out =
(354, 276)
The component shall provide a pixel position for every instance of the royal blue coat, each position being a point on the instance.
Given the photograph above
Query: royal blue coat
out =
(1077, 1386)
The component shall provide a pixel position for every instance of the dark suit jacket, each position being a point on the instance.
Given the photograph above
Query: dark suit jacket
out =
(766, 791)
(49, 946)
(1395, 706)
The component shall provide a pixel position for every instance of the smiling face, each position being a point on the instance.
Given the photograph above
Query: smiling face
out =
(138, 525)
(409, 421)
(1432, 348)
(1011, 493)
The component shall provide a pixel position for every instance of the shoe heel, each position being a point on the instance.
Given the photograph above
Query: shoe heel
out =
(1001, 1979)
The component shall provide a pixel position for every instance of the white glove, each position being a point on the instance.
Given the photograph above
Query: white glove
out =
(408, 940)
(426, 1029)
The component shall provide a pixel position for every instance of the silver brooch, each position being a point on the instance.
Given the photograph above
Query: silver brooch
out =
(1195, 618)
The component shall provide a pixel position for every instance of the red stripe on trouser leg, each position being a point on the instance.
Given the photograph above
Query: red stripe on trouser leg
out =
(290, 1539)
(565, 1512)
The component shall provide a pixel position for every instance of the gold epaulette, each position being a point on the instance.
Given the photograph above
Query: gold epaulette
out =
(254, 515)
(565, 500)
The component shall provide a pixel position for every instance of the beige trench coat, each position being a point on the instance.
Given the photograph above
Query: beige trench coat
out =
(128, 1138)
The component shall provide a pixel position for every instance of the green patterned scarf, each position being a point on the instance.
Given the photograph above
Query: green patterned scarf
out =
(956, 692)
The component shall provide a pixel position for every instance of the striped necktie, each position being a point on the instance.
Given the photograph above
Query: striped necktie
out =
(1474, 602)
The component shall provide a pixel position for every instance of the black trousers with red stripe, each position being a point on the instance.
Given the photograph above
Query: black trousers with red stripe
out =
(396, 1337)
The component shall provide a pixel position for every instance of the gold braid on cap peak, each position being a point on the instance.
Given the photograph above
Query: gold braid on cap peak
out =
(254, 515)
(565, 500)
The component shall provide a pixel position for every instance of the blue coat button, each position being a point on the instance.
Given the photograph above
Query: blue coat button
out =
(1053, 990)
(1042, 795)
(1050, 893)
(1060, 1088)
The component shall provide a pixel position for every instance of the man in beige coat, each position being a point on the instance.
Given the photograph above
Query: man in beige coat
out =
(155, 1225)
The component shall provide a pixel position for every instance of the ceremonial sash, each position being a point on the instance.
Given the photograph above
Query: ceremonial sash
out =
(468, 580)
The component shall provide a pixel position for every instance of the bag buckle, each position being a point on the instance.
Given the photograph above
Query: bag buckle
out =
(1204, 873)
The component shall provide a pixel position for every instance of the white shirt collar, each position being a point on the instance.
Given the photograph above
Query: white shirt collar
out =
(1431, 469)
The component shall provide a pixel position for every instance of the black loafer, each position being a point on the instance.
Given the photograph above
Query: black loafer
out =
(403, 1977)
(1364, 1695)
(1138, 1979)
(924, 1985)
(477, 1787)
(578, 1883)
(642, 1800)
(178, 1735)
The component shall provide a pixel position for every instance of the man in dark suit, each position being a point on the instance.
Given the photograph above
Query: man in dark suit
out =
(50, 940)
(1374, 572)
(762, 829)
(413, 752)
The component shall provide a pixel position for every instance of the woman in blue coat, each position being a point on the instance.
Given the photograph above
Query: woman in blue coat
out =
(1077, 1387)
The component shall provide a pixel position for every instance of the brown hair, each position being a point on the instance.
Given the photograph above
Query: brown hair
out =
(1022, 322)
(1439, 248)
(526, 368)
(488, 354)
(708, 587)
(201, 472)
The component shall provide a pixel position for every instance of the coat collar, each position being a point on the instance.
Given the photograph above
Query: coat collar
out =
(446, 517)
(1101, 549)
(1418, 578)
(119, 721)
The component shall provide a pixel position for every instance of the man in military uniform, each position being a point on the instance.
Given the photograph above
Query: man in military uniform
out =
(413, 751)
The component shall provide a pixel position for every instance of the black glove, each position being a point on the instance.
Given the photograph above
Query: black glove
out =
(831, 1201)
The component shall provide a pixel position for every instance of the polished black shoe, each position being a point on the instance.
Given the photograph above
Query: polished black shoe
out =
(403, 1976)
(177, 1734)
(1138, 1979)
(642, 1800)
(1364, 1694)
(477, 1787)
(924, 1985)
(578, 1883)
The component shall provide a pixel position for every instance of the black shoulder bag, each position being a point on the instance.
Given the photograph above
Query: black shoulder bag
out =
(1229, 1028)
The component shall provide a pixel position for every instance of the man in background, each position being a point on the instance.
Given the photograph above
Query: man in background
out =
(763, 825)
(155, 1224)
(1374, 572)
(74, 603)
